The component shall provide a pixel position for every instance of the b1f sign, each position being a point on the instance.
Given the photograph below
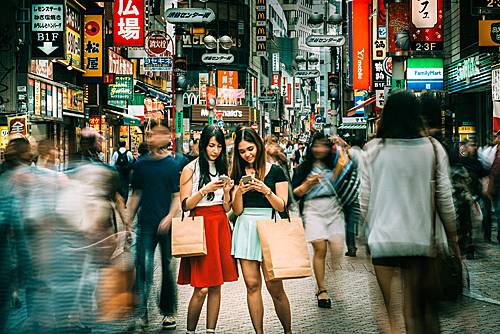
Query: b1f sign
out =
(47, 29)
(128, 26)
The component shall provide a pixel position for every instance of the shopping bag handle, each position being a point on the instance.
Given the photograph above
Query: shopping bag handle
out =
(183, 207)
(273, 216)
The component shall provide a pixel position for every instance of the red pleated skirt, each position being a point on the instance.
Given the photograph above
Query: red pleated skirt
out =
(218, 266)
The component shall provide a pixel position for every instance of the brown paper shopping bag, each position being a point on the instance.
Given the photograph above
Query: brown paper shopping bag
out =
(188, 236)
(284, 249)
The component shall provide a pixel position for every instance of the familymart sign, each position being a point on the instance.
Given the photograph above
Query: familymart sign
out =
(424, 74)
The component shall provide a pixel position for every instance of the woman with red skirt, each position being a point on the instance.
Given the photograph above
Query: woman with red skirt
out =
(206, 191)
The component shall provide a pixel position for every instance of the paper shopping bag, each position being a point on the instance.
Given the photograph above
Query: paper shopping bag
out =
(284, 249)
(188, 237)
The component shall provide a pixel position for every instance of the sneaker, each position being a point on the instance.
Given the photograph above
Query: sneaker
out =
(169, 322)
(351, 253)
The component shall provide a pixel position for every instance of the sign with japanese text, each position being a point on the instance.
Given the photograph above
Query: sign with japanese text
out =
(426, 27)
(122, 89)
(189, 15)
(481, 7)
(361, 45)
(276, 80)
(73, 99)
(325, 40)
(202, 87)
(95, 122)
(43, 68)
(93, 61)
(398, 39)
(227, 79)
(128, 23)
(18, 124)
(379, 44)
(380, 77)
(307, 74)
(424, 73)
(47, 27)
(178, 121)
(159, 64)
(489, 35)
(73, 37)
(217, 58)
(276, 62)
(119, 65)
(156, 43)
(261, 26)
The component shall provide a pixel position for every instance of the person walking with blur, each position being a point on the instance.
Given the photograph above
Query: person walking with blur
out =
(123, 161)
(205, 193)
(319, 206)
(261, 189)
(155, 184)
(397, 199)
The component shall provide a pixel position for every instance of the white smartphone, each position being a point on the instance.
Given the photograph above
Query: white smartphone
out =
(246, 178)
(224, 178)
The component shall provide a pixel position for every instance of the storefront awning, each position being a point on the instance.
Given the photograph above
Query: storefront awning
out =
(353, 126)
(153, 92)
(127, 119)
(351, 111)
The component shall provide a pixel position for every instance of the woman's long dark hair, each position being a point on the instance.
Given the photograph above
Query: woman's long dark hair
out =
(401, 117)
(221, 161)
(305, 167)
(239, 164)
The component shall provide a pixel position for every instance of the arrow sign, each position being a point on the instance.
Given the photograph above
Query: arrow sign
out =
(307, 74)
(47, 48)
(325, 40)
(189, 15)
(217, 58)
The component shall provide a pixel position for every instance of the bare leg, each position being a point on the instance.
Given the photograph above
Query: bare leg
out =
(213, 306)
(281, 304)
(384, 278)
(319, 261)
(253, 282)
(195, 306)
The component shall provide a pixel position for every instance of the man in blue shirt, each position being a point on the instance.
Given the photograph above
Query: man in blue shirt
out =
(155, 183)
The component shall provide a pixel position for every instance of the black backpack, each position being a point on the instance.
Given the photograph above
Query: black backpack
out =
(122, 162)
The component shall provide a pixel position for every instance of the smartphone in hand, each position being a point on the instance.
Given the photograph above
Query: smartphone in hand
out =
(246, 179)
(224, 178)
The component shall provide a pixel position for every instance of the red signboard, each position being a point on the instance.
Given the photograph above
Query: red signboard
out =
(128, 26)
(398, 39)
(119, 65)
(427, 25)
(361, 44)
(276, 81)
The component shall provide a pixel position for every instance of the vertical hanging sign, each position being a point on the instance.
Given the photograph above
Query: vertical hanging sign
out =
(128, 26)
(426, 25)
(361, 45)
(261, 27)
(93, 46)
(47, 28)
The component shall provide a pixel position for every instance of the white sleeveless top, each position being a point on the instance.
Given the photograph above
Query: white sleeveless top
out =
(219, 194)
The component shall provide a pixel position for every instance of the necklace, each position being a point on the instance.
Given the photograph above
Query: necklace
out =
(212, 175)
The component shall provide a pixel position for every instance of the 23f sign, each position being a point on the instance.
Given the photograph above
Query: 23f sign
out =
(47, 29)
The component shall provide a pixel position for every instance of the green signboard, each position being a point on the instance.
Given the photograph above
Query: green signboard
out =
(118, 103)
(131, 121)
(210, 120)
(178, 121)
(122, 89)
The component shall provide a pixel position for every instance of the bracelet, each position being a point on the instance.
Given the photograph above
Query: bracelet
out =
(268, 193)
(201, 193)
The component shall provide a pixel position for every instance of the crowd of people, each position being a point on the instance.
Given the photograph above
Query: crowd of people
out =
(67, 236)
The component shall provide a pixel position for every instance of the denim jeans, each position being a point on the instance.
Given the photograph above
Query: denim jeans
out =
(146, 242)
(352, 214)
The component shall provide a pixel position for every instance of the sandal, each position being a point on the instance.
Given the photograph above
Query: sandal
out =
(323, 303)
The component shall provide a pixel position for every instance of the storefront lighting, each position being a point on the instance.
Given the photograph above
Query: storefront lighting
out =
(210, 42)
(225, 42)
(70, 64)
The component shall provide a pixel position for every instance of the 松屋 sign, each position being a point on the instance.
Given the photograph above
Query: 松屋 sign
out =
(424, 73)
(189, 15)
(93, 51)
(128, 28)
(325, 40)
(47, 27)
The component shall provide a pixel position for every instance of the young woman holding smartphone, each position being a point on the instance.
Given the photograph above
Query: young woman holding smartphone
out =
(206, 191)
(262, 188)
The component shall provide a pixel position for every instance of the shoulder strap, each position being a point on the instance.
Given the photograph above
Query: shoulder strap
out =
(433, 196)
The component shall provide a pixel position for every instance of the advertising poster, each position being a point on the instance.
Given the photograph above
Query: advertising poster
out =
(361, 45)
(93, 49)
(128, 23)
(426, 25)
(399, 25)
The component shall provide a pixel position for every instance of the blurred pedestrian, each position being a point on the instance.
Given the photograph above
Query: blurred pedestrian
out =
(195, 150)
(155, 184)
(397, 201)
(494, 192)
(206, 194)
(319, 206)
(143, 150)
(48, 155)
(123, 161)
(262, 188)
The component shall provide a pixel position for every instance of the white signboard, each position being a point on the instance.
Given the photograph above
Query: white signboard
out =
(307, 74)
(276, 62)
(325, 40)
(217, 58)
(158, 64)
(424, 13)
(189, 15)
(495, 84)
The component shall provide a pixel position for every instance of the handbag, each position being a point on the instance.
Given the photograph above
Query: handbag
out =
(345, 178)
(188, 236)
(444, 279)
(284, 248)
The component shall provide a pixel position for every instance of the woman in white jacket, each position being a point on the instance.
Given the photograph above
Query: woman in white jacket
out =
(397, 202)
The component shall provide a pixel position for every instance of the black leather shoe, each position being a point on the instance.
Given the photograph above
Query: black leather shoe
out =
(323, 303)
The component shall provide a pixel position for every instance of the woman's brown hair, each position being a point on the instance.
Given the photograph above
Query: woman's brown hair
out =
(239, 164)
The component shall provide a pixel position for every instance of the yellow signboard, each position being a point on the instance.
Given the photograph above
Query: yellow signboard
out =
(93, 46)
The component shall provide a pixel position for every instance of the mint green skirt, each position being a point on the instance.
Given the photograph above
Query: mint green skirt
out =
(246, 243)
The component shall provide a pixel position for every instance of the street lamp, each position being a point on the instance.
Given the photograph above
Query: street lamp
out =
(211, 42)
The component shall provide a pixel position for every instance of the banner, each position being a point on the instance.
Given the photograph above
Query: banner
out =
(427, 25)
(123, 89)
(202, 87)
(398, 43)
(261, 27)
(227, 79)
(128, 23)
(93, 50)
(361, 44)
